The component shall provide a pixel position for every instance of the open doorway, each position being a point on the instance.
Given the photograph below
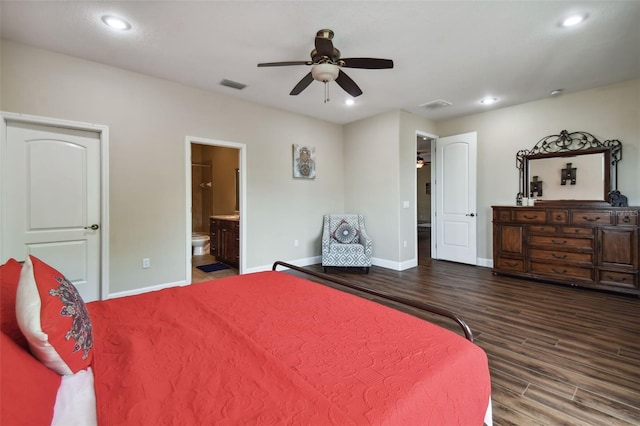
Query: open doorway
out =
(215, 186)
(424, 203)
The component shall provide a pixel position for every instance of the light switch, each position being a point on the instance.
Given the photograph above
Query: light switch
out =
(405, 204)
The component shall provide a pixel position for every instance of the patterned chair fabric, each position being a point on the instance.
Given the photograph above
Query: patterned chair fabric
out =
(345, 241)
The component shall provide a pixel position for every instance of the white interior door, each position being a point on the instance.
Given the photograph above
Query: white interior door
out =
(51, 200)
(456, 198)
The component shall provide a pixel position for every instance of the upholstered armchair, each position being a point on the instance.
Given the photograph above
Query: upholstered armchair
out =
(345, 242)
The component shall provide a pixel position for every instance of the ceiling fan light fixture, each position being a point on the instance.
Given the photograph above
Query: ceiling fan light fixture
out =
(325, 72)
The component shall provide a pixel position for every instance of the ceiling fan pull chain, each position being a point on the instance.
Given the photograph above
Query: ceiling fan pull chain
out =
(326, 92)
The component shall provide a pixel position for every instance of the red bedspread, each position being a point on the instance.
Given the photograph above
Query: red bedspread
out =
(271, 348)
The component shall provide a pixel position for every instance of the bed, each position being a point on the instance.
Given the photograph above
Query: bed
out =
(268, 348)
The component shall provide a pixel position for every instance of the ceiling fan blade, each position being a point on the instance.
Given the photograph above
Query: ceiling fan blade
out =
(324, 47)
(348, 84)
(282, 64)
(302, 84)
(368, 63)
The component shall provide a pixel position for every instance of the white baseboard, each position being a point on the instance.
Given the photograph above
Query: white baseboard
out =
(487, 263)
(146, 289)
(396, 266)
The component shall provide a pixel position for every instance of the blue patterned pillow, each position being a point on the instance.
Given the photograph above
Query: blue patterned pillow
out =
(345, 233)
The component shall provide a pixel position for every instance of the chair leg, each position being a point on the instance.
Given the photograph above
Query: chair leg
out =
(366, 270)
(325, 269)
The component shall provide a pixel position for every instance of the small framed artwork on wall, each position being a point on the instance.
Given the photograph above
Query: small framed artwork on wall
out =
(304, 162)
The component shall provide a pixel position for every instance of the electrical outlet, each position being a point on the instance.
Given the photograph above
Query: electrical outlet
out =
(295, 243)
(146, 263)
(405, 244)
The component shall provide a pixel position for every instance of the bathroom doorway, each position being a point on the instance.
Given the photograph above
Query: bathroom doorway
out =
(215, 187)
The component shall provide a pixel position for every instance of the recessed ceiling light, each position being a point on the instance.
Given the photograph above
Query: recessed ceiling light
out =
(116, 23)
(349, 102)
(556, 92)
(573, 20)
(488, 100)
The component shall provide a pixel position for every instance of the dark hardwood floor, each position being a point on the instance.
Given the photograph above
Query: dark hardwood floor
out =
(557, 355)
(424, 245)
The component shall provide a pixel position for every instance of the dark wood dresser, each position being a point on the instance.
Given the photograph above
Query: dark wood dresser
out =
(582, 246)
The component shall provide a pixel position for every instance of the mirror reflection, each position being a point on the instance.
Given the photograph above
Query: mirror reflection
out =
(586, 177)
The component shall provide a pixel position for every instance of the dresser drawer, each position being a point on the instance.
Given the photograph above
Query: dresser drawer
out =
(507, 264)
(559, 216)
(585, 217)
(542, 229)
(501, 215)
(562, 271)
(576, 230)
(627, 218)
(561, 256)
(561, 242)
(531, 216)
(618, 279)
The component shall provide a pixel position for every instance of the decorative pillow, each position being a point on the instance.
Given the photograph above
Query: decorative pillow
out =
(345, 233)
(9, 278)
(53, 318)
(28, 389)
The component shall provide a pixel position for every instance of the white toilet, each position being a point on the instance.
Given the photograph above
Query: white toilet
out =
(200, 243)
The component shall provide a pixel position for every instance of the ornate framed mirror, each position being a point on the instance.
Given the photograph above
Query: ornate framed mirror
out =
(569, 168)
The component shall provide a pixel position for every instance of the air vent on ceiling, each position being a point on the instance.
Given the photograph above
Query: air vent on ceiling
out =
(440, 103)
(233, 84)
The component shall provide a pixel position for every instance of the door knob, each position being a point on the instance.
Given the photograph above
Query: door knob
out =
(94, 226)
(470, 214)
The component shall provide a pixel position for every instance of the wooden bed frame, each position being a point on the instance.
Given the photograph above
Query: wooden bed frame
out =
(383, 295)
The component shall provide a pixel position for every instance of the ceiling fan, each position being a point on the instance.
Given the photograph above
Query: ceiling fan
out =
(326, 64)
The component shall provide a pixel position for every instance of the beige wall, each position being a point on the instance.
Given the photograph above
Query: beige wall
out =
(367, 166)
(371, 179)
(610, 112)
(149, 119)
(410, 125)
(380, 175)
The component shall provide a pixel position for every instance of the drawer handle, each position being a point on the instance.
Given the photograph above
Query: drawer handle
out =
(626, 219)
(618, 280)
(589, 219)
(535, 216)
(560, 243)
(556, 256)
(558, 217)
(558, 272)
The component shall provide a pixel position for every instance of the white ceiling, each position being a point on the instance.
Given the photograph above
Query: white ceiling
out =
(459, 51)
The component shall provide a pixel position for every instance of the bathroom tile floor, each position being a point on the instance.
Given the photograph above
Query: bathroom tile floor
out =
(197, 276)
